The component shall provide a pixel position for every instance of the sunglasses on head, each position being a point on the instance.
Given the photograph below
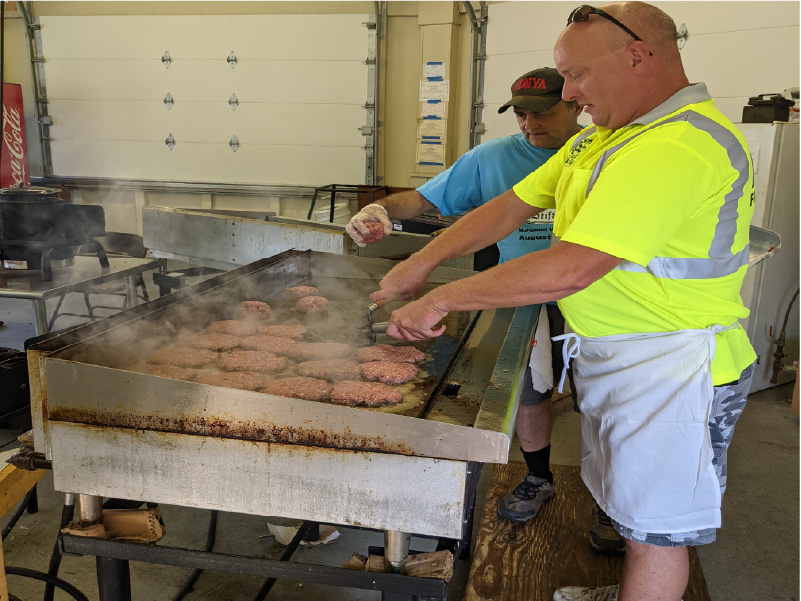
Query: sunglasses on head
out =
(583, 12)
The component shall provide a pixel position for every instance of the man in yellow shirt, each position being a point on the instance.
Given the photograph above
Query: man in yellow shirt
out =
(653, 205)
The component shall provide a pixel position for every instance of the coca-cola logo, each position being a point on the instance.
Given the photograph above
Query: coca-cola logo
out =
(13, 144)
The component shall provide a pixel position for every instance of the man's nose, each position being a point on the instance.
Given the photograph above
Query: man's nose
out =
(568, 91)
(532, 122)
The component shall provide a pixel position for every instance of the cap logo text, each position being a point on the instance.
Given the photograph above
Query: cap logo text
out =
(530, 83)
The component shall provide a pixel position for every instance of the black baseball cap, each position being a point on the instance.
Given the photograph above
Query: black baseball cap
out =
(537, 90)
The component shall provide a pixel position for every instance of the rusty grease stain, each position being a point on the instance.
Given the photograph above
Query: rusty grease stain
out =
(226, 428)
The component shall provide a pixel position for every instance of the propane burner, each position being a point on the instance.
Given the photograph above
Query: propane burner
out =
(39, 230)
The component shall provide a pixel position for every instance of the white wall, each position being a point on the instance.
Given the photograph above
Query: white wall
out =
(739, 49)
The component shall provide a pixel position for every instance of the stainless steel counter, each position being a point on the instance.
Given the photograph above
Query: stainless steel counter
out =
(84, 272)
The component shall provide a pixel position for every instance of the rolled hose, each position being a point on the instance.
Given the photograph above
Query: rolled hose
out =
(57, 582)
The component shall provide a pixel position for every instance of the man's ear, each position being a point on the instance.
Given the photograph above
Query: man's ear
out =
(638, 53)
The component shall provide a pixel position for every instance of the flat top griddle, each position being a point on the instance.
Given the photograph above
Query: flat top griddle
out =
(344, 320)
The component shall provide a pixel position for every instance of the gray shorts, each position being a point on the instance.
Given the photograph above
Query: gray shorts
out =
(728, 402)
(530, 397)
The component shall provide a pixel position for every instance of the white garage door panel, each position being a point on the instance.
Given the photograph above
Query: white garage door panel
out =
(302, 37)
(290, 165)
(253, 81)
(332, 82)
(275, 37)
(512, 28)
(257, 122)
(712, 17)
(739, 49)
(105, 80)
(736, 57)
(301, 82)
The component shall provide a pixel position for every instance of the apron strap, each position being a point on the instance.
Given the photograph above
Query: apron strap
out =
(570, 350)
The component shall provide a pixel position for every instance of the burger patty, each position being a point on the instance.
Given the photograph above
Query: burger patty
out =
(234, 327)
(246, 380)
(333, 370)
(388, 372)
(271, 344)
(309, 351)
(261, 361)
(371, 394)
(296, 331)
(311, 304)
(390, 352)
(183, 356)
(216, 341)
(375, 234)
(297, 292)
(164, 371)
(256, 309)
(299, 387)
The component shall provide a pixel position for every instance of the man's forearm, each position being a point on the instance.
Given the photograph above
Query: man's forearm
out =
(405, 205)
(538, 277)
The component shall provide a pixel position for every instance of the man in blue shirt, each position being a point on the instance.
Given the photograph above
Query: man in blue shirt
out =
(546, 122)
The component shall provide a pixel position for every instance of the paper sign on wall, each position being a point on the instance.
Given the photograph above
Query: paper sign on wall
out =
(433, 109)
(434, 71)
(431, 153)
(434, 90)
(431, 128)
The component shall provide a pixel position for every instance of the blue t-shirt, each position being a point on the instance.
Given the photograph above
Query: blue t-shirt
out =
(486, 171)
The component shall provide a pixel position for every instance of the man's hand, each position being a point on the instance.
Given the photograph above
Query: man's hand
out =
(405, 281)
(372, 212)
(417, 320)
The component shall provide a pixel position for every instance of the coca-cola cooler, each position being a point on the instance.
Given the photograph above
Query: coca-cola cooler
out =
(14, 150)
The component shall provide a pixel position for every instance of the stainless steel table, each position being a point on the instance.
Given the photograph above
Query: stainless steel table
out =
(84, 272)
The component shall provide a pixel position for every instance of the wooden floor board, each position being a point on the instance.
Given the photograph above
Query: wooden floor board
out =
(528, 562)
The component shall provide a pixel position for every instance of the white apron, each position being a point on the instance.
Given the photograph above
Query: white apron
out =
(645, 401)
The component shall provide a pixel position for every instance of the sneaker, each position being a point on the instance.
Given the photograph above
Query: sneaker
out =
(603, 536)
(580, 593)
(523, 503)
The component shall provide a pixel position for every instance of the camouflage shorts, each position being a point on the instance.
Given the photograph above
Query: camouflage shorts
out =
(728, 402)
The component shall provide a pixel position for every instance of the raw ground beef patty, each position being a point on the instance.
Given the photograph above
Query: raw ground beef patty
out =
(297, 292)
(310, 389)
(388, 372)
(333, 370)
(183, 357)
(164, 371)
(375, 234)
(390, 352)
(253, 361)
(246, 380)
(271, 344)
(309, 351)
(311, 304)
(280, 331)
(256, 309)
(234, 327)
(372, 394)
(215, 341)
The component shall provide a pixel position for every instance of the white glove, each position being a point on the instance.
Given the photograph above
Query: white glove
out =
(373, 212)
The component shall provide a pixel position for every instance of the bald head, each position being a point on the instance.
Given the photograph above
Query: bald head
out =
(655, 27)
(616, 77)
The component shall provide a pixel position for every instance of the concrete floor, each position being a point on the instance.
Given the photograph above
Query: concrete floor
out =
(756, 556)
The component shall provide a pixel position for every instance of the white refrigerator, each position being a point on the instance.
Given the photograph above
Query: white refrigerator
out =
(770, 286)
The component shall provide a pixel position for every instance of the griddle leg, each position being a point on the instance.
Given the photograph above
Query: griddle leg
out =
(113, 579)
(396, 549)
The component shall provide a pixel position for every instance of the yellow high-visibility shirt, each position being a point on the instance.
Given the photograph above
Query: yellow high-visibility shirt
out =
(672, 195)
